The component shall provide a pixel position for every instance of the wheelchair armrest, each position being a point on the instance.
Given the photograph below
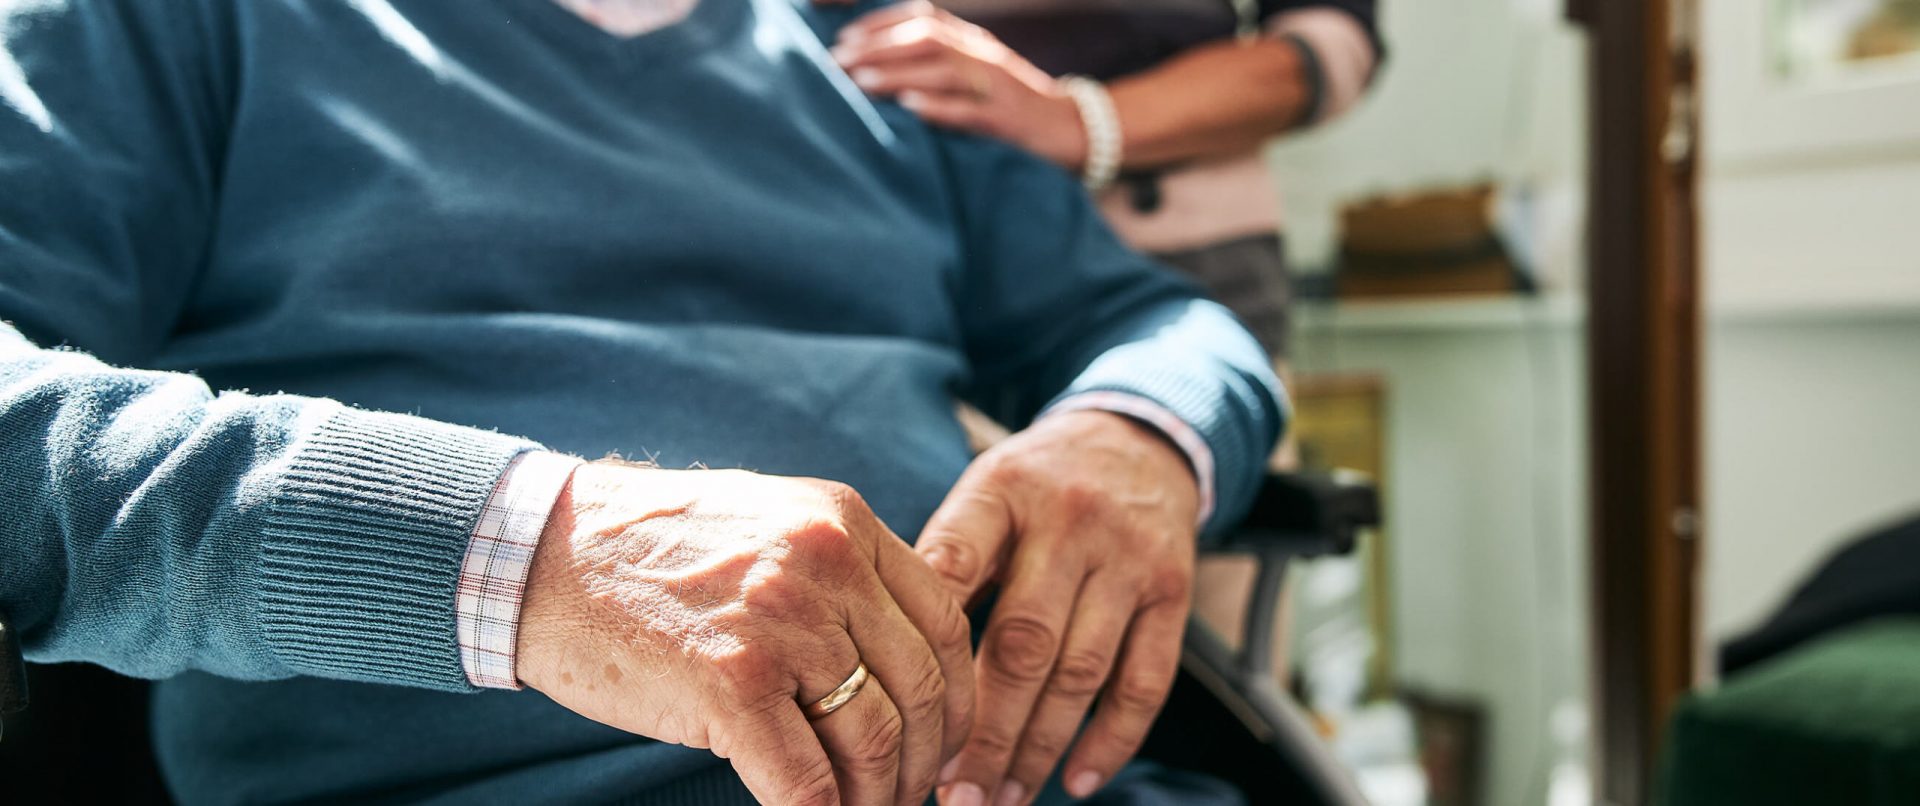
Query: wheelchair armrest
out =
(1306, 515)
(1295, 515)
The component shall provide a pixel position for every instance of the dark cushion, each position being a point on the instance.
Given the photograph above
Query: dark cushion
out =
(1876, 575)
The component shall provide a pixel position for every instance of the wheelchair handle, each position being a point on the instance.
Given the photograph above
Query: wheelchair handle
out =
(1305, 515)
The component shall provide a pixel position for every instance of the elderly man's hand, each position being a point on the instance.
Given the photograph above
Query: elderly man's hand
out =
(1086, 521)
(704, 607)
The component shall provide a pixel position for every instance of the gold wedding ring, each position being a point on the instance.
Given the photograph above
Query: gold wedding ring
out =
(839, 696)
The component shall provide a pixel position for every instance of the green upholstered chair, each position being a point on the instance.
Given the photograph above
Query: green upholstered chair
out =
(1833, 721)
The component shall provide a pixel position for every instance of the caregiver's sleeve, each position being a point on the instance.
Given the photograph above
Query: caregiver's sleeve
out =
(146, 523)
(1053, 307)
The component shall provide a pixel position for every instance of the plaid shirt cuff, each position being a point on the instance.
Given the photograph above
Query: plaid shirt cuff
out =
(493, 578)
(1183, 436)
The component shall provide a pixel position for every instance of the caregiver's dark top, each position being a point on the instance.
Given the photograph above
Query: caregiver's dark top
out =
(700, 245)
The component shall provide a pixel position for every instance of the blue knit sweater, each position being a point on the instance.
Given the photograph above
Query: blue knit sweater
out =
(698, 245)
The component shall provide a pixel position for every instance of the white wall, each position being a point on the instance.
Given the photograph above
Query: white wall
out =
(1811, 233)
(1813, 435)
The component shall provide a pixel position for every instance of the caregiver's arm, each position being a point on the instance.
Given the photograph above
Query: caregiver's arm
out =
(1150, 400)
(1217, 98)
(1229, 96)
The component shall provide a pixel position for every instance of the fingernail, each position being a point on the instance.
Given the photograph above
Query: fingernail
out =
(968, 794)
(1011, 794)
(913, 100)
(865, 76)
(841, 53)
(947, 772)
(1084, 784)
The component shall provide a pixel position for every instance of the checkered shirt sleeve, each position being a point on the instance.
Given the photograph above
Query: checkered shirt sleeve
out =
(493, 577)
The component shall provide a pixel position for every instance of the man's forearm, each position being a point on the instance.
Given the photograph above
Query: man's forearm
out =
(152, 526)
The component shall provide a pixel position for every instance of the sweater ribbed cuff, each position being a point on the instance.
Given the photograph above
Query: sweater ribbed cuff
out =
(1229, 416)
(362, 547)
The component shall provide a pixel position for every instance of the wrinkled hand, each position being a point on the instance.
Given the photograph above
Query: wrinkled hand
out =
(702, 607)
(956, 74)
(1086, 521)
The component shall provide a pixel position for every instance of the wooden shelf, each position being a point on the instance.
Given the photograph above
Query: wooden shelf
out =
(1563, 309)
(1503, 312)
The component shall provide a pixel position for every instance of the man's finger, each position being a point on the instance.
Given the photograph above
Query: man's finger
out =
(899, 657)
(965, 539)
(1131, 700)
(1094, 637)
(933, 609)
(780, 759)
(862, 740)
(1017, 656)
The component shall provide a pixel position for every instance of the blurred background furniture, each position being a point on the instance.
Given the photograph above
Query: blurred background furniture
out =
(1819, 704)
(1830, 722)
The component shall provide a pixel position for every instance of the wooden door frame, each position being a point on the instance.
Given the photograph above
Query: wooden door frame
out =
(1643, 352)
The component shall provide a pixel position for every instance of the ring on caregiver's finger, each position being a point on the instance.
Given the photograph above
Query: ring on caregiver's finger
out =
(839, 696)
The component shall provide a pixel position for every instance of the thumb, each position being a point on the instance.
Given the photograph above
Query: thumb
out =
(966, 539)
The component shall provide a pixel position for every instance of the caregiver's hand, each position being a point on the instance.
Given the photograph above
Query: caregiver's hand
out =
(703, 607)
(956, 74)
(1086, 522)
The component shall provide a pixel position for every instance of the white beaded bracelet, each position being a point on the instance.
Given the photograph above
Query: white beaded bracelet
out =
(1103, 130)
